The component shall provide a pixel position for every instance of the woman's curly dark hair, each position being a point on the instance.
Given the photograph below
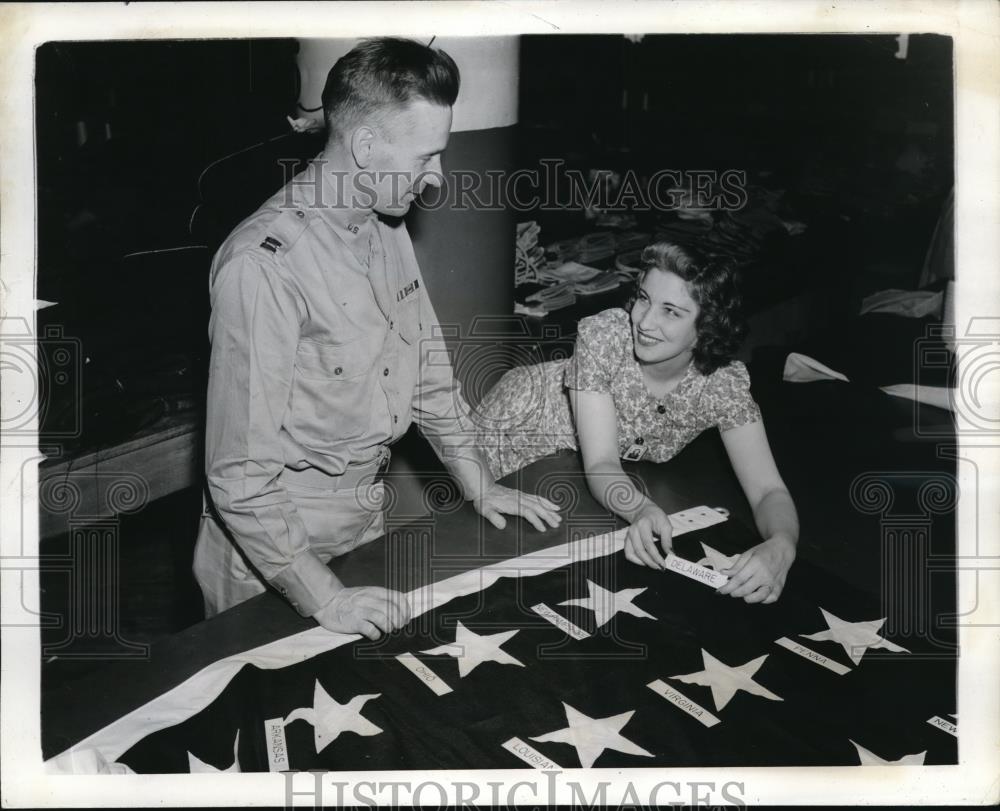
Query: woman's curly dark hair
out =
(720, 324)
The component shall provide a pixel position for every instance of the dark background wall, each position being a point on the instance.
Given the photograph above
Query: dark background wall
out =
(125, 129)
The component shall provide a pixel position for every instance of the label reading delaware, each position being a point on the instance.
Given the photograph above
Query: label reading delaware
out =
(696, 572)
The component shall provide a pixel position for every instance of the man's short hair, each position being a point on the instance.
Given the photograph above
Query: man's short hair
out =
(384, 75)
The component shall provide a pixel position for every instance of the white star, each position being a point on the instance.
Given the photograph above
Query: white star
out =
(605, 604)
(855, 637)
(472, 649)
(715, 559)
(198, 766)
(869, 758)
(329, 718)
(725, 680)
(591, 736)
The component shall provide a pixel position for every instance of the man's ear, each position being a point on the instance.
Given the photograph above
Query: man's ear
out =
(363, 146)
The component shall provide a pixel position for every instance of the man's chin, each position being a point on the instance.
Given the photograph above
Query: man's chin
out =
(397, 210)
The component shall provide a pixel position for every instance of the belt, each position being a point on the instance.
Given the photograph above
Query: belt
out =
(350, 478)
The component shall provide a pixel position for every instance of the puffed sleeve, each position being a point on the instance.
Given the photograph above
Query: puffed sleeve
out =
(734, 405)
(600, 342)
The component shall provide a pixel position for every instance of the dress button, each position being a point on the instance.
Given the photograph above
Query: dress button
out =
(385, 372)
(338, 370)
(661, 409)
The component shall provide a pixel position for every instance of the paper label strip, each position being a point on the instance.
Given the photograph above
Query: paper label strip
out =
(695, 571)
(433, 682)
(529, 754)
(559, 621)
(947, 726)
(277, 749)
(683, 703)
(812, 656)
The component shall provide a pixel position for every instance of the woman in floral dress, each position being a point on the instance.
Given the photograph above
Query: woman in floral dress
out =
(642, 384)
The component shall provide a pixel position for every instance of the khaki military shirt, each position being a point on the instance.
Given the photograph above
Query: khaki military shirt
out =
(325, 348)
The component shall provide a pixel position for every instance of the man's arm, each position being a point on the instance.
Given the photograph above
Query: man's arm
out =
(254, 330)
(443, 415)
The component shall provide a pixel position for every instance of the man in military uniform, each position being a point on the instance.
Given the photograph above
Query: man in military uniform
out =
(323, 341)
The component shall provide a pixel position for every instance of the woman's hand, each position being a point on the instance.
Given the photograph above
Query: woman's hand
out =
(758, 575)
(640, 540)
(497, 500)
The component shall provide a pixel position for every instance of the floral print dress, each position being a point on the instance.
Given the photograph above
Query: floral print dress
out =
(527, 415)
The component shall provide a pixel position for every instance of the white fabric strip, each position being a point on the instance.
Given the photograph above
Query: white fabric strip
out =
(97, 753)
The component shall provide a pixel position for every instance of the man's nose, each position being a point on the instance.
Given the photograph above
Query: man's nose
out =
(432, 177)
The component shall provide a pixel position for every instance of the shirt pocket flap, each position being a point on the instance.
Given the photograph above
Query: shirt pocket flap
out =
(410, 323)
(332, 361)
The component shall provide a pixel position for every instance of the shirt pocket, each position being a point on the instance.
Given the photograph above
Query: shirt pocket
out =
(410, 322)
(331, 400)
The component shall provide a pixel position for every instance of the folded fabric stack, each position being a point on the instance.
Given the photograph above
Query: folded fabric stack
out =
(567, 272)
(529, 256)
(630, 240)
(555, 297)
(565, 250)
(614, 219)
(629, 264)
(596, 246)
(599, 284)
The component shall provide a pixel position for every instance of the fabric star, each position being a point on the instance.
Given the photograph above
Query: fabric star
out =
(591, 736)
(854, 637)
(329, 718)
(725, 680)
(869, 758)
(472, 649)
(605, 604)
(715, 559)
(197, 766)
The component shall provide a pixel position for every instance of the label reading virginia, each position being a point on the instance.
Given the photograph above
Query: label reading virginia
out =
(559, 621)
(812, 656)
(277, 750)
(683, 703)
(947, 726)
(700, 573)
(434, 682)
(529, 755)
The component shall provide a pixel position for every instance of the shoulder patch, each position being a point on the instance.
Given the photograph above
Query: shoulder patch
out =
(284, 230)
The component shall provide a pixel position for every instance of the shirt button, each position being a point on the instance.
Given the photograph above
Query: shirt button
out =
(338, 370)
(661, 409)
(391, 325)
(395, 418)
(385, 372)
(299, 213)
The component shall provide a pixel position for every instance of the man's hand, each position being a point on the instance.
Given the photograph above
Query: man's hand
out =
(758, 575)
(498, 500)
(640, 541)
(368, 610)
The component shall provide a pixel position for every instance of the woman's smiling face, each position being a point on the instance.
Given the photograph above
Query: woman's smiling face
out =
(663, 319)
